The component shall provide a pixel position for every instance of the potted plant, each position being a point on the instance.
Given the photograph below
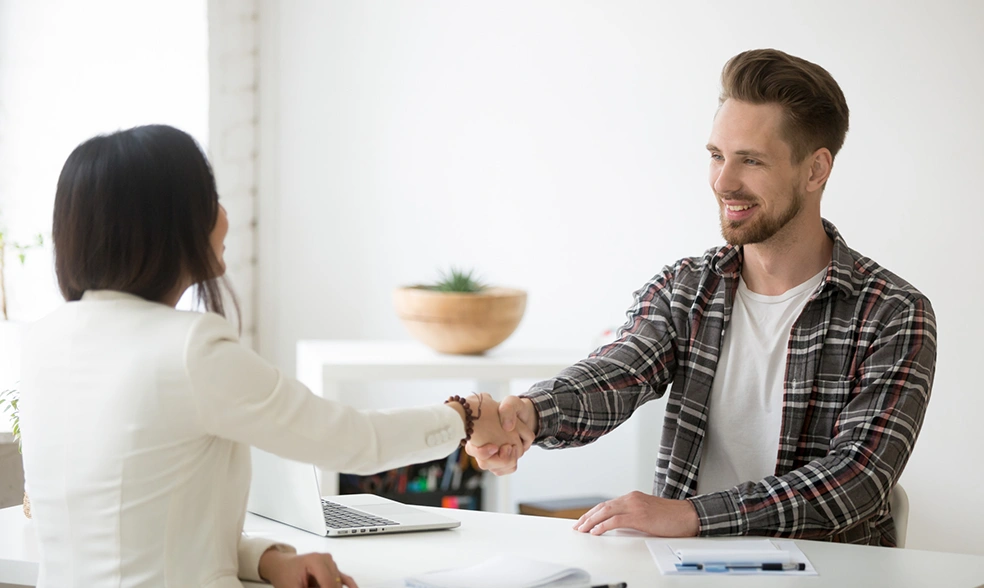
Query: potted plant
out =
(8, 405)
(21, 249)
(458, 314)
(11, 330)
(10, 339)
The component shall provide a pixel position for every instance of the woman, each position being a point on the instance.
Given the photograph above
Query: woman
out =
(138, 418)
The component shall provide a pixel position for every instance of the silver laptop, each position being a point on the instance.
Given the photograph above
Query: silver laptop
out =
(287, 492)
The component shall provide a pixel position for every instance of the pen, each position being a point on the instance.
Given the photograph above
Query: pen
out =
(773, 567)
(617, 585)
(766, 567)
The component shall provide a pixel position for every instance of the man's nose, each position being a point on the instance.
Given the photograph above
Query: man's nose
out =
(727, 180)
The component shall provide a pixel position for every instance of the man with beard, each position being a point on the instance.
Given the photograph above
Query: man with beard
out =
(799, 369)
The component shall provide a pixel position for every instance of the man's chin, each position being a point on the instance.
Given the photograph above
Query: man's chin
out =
(734, 232)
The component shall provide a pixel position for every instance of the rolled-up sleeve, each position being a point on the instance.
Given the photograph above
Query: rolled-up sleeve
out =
(594, 396)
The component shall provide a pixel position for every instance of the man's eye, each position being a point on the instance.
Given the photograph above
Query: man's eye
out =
(716, 157)
(751, 162)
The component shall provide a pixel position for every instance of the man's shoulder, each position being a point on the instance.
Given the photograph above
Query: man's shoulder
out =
(860, 278)
(873, 282)
(688, 279)
(717, 260)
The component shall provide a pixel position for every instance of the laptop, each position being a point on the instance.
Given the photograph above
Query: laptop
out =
(288, 492)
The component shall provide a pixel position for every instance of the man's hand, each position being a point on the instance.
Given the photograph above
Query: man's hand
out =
(287, 570)
(661, 517)
(489, 433)
(516, 415)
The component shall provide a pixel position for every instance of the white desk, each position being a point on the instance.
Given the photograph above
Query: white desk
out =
(323, 365)
(381, 560)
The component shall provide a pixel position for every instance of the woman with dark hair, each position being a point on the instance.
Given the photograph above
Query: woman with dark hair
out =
(138, 418)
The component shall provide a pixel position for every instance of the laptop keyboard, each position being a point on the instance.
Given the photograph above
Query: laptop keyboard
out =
(343, 517)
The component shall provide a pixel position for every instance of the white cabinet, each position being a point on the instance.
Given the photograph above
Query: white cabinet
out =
(322, 365)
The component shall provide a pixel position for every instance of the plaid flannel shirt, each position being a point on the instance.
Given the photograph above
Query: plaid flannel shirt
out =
(859, 369)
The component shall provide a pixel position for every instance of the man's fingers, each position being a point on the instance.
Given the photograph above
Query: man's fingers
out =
(526, 411)
(525, 435)
(597, 515)
(621, 521)
(605, 525)
(584, 518)
(348, 581)
(509, 412)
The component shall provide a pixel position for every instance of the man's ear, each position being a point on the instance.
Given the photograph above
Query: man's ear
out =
(821, 162)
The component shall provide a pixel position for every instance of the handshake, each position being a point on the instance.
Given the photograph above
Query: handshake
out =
(503, 431)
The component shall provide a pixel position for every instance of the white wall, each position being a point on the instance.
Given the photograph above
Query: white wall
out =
(558, 146)
(70, 70)
(233, 35)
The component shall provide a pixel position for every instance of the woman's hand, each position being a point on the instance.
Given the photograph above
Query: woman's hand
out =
(516, 416)
(288, 570)
(509, 444)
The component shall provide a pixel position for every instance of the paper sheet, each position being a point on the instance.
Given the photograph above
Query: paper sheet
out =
(664, 552)
(505, 571)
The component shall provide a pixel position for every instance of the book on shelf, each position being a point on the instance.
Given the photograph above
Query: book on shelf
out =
(452, 482)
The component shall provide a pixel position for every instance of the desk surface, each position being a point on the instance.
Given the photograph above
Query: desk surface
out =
(382, 560)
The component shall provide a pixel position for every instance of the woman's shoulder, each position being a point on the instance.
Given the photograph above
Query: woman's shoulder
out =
(125, 316)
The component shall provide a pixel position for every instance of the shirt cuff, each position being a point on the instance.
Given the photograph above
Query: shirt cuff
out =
(548, 417)
(250, 551)
(720, 514)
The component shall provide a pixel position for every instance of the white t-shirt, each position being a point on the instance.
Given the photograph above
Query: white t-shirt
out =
(741, 443)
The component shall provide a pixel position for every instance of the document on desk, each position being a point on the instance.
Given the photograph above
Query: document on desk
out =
(505, 571)
(770, 557)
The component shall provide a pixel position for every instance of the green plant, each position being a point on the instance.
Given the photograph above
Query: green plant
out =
(457, 280)
(21, 249)
(8, 402)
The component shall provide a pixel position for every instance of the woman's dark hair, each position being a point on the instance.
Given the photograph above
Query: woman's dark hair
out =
(134, 211)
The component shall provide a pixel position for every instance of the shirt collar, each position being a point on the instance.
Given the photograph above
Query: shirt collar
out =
(109, 295)
(840, 273)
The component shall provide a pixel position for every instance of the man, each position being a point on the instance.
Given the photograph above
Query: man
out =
(799, 370)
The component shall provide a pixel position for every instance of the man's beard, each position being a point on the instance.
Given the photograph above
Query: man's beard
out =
(759, 228)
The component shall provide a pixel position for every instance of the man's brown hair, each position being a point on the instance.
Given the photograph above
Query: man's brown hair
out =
(816, 113)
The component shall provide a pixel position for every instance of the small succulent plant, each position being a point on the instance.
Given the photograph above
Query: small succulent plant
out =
(457, 280)
(8, 404)
(21, 249)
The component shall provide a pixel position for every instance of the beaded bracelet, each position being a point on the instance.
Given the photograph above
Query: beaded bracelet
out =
(469, 417)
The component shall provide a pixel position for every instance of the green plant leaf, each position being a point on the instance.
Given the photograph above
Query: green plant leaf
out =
(9, 400)
(457, 280)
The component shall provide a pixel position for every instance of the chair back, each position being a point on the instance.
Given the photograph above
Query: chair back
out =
(898, 501)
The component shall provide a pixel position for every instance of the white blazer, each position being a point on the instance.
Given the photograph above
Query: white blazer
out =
(137, 420)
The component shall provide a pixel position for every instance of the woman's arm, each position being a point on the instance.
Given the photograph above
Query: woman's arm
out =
(238, 395)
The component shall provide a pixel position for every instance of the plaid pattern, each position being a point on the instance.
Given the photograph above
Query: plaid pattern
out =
(859, 369)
